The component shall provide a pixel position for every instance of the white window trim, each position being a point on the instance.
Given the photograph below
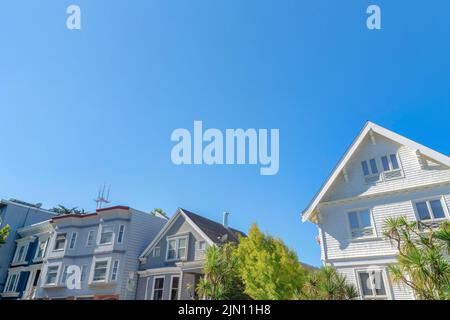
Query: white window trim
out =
(153, 252)
(85, 266)
(74, 233)
(372, 222)
(99, 235)
(153, 285)
(16, 254)
(387, 285)
(123, 234)
(44, 251)
(112, 270)
(54, 243)
(441, 198)
(177, 239)
(108, 268)
(16, 282)
(204, 244)
(93, 238)
(381, 172)
(171, 286)
(58, 274)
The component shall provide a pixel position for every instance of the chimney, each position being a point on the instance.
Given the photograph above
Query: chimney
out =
(225, 219)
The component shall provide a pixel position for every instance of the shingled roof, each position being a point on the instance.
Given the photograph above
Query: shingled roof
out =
(214, 230)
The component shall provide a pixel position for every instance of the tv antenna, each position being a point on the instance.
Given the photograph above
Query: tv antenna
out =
(101, 198)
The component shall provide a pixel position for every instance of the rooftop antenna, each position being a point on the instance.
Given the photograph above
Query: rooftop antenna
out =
(101, 198)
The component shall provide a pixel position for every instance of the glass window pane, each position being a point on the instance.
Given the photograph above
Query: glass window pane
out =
(394, 161)
(422, 209)
(182, 243)
(365, 168)
(364, 219)
(385, 162)
(353, 220)
(379, 283)
(366, 286)
(436, 207)
(373, 166)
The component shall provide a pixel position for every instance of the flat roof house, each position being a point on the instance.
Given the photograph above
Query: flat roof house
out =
(17, 214)
(381, 175)
(105, 246)
(172, 264)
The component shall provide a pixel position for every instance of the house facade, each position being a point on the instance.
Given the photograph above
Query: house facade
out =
(172, 264)
(382, 174)
(25, 268)
(17, 214)
(104, 246)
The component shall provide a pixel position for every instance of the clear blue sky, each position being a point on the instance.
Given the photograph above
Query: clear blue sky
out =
(79, 108)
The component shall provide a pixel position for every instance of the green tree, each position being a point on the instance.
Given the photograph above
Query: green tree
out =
(160, 211)
(326, 284)
(221, 280)
(4, 232)
(62, 210)
(422, 257)
(268, 268)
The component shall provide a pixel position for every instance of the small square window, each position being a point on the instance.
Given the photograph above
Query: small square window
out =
(60, 242)
(156, 252)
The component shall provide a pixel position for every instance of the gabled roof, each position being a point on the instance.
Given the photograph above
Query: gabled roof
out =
(367, 129)
(213, 232)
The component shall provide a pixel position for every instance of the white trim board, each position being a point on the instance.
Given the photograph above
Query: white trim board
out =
(370, 128)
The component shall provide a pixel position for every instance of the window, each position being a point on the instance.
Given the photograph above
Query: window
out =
(115, 270)
(156, 252)
(100, 269)
(430, 210)
(120, 235)
(42, 246)
(106, 235)
(64, 275)
(202, 245)
(83, 273)
(174, 287)
(11, 283)
(372, 285)
(52, 275)
(390, 168)
(60, 242)
(176, 248)
(373, 166)
(158, 287)
(21, 253)
(73, 240)
(90, 238)
(370, 171)
(360, 223)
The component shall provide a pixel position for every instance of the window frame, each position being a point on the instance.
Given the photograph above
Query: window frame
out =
(90, 232)
(58, 273)
(428, 200)
(162, 289)
(385, 278)
(154, 255)
(24, 254)
(92, 273)
(55, 241)
(74, 238)
(44, 250)
(177, 241)
(121, 236)
(178, 287)
(115, 273)
(102, 227)
(16, 274)
(372, 224)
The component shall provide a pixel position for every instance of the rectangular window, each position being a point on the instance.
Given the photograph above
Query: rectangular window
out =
(52, 275)
(430, 210)
(120, 235)
(11, 283)
(60, 242)
(174, 288)
(202, 245)
(20, 253)
(42, 246)
(372, 285)
(115, 270)
(73, 240)
(83, 273)
(176, 248)
(64, 275)
(100, 269)
(90, 238)
(373, 166)
(360, 223)
(365, 168)
(156, 252)
(158, 287)
(106, 235)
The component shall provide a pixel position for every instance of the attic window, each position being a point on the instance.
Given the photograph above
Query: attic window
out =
(389, 165)
(370, 171)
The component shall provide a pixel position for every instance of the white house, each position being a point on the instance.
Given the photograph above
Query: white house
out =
(381, 175)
